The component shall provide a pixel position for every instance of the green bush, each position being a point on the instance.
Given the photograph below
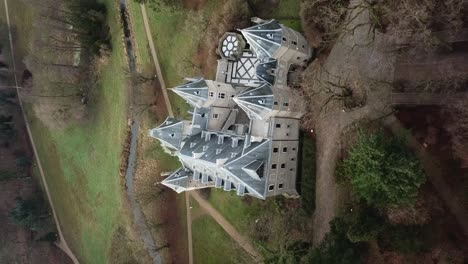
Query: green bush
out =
(382, 171)
(28, 213)
(336, 247)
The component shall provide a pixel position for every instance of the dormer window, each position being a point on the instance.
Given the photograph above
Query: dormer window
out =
(205, 148)
(269, 35)
(172, 135)
(197, 92)
(262, 101)
(218, 151)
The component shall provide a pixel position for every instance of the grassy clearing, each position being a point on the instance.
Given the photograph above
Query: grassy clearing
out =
(211, 244)
(82, 161)
(287, 13)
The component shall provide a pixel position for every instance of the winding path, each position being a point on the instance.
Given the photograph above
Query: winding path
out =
(62, 243)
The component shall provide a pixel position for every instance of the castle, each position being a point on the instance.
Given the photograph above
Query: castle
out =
(244, 132)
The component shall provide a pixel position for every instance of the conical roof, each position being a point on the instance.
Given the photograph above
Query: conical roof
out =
(257, 102)
(265, 71)
(195, 91)
(265, 39)
(169, 133)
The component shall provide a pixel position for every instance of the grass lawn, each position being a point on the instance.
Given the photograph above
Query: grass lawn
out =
(176, 35)
(287, 13)
(82, 161)
(211, 244)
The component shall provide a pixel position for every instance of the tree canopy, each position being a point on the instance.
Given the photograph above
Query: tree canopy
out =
(382, 171)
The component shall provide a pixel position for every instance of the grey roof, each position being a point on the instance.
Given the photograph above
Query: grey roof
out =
(182, 180)
(195, 91)
(256, 101)
(169, 132)
(200, 118)
(265, 71)
(264, 39)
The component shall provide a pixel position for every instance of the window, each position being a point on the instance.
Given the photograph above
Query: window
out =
(283, 165)
(275, 150)
(285, 149)
(215, 116)
(287, 134)
(271, 187)
(303, 46)
(275, 103)
(289, 126)
(291, 169)
(298, 58)
(280, 186)
(278, 125)
(273, 166)
(212, 94)
(286, 104)
(294, 149)
(202, 115)
(293, 159)
(294, 42)
(284, 39)
(221, 95)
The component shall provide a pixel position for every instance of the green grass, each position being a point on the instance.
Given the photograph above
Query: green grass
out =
(212, 245)
(176, 35)
(287, 13)
(82, 162)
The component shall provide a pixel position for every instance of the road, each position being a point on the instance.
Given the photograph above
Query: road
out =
(231, 230)
(62, 244)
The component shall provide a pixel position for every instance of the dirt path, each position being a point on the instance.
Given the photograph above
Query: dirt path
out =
(155, 60)
(352, 58)
(435, 175)
(231, 230)
(62, 244)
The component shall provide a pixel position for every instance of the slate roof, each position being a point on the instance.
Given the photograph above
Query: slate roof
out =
(257, 101)
(169, 132)
(265, 71)
(264, 39)
(195, 91)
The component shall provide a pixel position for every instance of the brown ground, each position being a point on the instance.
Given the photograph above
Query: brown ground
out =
(162, 209)
(18, 245)
(194, 4)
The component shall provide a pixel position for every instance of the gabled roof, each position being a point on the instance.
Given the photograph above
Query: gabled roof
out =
(182, 180)
(257, 101)
(169, 133)
(264, 39)
(195, 91)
